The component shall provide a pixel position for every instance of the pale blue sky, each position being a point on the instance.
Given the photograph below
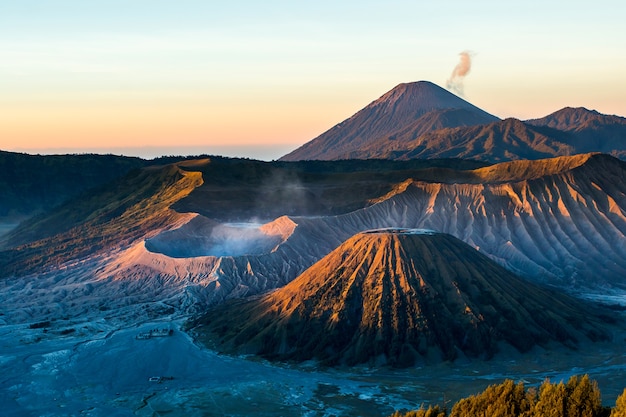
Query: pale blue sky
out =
(110, 74)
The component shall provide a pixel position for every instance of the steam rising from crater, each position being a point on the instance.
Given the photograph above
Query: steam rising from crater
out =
(202, 237)
(455, 82)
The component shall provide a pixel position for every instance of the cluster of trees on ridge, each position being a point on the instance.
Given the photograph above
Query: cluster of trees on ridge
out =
(579, 397)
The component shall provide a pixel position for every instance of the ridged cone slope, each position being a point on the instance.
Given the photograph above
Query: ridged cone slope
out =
(398, 297)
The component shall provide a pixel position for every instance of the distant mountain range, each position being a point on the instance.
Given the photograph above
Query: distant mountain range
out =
(422, 120)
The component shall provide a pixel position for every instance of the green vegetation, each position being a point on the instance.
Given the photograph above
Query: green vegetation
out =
(579, 397)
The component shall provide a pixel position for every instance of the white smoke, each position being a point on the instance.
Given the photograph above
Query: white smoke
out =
(455, 82)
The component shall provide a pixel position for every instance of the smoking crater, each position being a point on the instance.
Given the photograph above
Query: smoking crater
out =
(203, 237)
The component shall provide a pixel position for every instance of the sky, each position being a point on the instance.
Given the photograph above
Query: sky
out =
(260, 78)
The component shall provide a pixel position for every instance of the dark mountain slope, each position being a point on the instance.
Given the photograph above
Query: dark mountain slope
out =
(586, 130)
(237, 189)
(571, 119)
(501, 141)
(406, 111)
(398, 296)
(34, 183)
(112, 217)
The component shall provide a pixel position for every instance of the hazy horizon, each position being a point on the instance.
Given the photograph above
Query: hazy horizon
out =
(83, 75)
(259, 152)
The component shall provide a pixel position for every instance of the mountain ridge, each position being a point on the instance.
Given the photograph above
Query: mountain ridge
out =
(422, 120)
(575, 118)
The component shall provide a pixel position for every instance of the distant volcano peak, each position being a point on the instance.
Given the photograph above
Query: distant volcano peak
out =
(409, 108)
(428, 93)
(419, 97)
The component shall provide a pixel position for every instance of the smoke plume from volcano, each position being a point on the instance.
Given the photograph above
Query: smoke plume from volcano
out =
(455, 82)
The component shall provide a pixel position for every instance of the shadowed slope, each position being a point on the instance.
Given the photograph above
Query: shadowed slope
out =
(399, 296)
(586, 130)
(240, 190)
(34, 183)
(566, 132)
(577, 119)
(505, 140)
(131, 208)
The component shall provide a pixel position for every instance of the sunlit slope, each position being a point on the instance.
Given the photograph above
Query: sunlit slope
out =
(399, 297)
(133, 207)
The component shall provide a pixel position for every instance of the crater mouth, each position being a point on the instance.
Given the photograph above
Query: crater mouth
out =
(400, 231)
(204, 237)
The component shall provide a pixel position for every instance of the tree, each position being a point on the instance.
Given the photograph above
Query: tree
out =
(583, 397)
(501, 400)
(551, 401)
(620, 406)
(579, 397)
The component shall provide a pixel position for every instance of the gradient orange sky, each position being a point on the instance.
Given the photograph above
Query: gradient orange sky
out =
(147, 77)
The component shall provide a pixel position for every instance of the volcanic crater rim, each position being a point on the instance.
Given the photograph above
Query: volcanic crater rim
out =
(401, 231)
(203, 237)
